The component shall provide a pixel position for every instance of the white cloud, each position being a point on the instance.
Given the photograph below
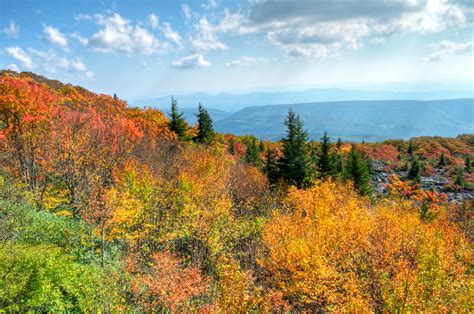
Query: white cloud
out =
(377, 41)
(153, 21)
(54, 36)
(246, 61)
(170, 34)
(11, 30)
(187, 11)
(446, 48)
(20, 55)
(206, 38)
(191, 62)
(13, 67)
(119, 35)
(211, 4)
(82, 40)
(51, 63)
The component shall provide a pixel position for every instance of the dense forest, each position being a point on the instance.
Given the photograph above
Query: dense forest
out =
(108, 208)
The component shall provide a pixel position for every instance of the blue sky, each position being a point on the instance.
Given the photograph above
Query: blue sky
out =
(143, 49)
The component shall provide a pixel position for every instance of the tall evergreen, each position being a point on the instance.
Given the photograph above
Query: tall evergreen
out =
(326, 163)
(271, 168)
(460, 178)
(414, 173)
(261, 146)
(177, 124)
(205, 129)
(442, 160)
(294, 166)
(252, 153)
(339, 143)
(468, 164)
(410, 149)
(357, 170)
(115, 96)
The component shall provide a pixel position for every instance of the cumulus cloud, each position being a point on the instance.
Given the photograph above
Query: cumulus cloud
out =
(54, 36)
(187, 11)
(246, 61)
(48, 62)
(20, 55)
(170, 34)
(119, 35)
(191, 62)
(206, 38)
(11, 30)
(321, 28)
(153, 21)
(446, 48)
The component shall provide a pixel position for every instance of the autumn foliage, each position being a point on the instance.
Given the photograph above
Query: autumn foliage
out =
(132, 219)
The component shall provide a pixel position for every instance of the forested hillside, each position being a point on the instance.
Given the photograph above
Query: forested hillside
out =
(107, 208)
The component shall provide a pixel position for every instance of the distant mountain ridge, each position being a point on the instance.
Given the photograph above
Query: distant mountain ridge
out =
(234, 102)
(358, 120)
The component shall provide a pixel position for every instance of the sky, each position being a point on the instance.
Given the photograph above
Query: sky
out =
(142, 49)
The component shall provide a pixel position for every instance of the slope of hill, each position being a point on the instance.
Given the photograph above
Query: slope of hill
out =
(234, 102)
(358, 120)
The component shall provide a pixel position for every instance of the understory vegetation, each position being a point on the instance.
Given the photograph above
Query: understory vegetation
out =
(107, 208)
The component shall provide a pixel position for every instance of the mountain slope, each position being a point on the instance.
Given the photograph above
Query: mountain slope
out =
(234, 102)
(358, 120)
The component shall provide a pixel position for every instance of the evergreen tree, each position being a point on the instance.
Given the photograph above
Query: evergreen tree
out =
(460, 178)
(338, 162)
(271, 168)
(205, 129)
(468, 164)
(414, 173)
(177, 124)
(442, 160)
(356, 169)
(115, 96)
(410, 149)
(339, 143)
(261, 146)
(326, 163)
(232, 146)
(294, 166)
(252, 153)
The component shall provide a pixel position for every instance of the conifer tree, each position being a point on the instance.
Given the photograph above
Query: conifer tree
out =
(271, 168)
(357, 170)
(177, 124)
(205, 129)
(414, 173)
(339, 143)
(294, 166)
(232, 146)
(115, 96)
(442, 160)
(338, 162)
(460, 178)
(252, 153)
(468, 164)
(410, 149)
(326, 163)
(261, 146)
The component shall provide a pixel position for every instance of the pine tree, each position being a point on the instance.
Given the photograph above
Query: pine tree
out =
(294, 166)
(442, 160)
(460, 178)
(232, 146)
(205, 129)
(468, 164)
(271, 168)
(410, 149)
(339, 143)
(326, 163)
(177, 124)
(252, 153)
(338, 162)
(357, 170)
(414, 173)
(261, 146)
(115, 96)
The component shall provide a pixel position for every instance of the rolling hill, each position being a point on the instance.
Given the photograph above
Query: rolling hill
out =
(358, 120)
